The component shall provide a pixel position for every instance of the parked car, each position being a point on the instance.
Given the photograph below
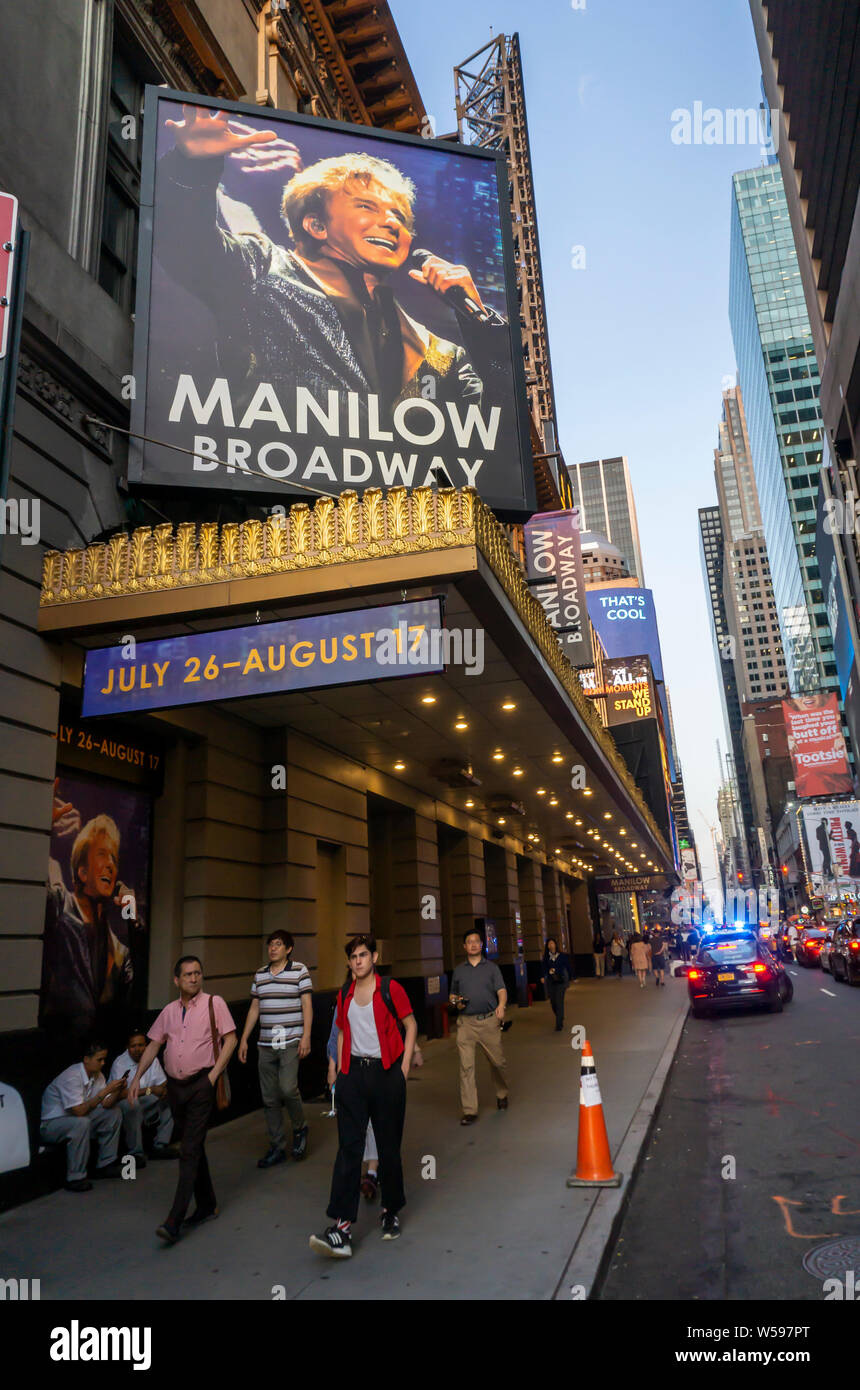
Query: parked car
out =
(824, 953)
(808, 947)
(733, 969)
(845, 955)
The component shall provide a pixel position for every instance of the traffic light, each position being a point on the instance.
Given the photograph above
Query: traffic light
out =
(740, 877)
(785, 870)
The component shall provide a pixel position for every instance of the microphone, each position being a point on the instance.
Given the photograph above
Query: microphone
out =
(456, 295)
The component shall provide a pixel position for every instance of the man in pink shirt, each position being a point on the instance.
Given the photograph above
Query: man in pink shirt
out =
(192, 1074)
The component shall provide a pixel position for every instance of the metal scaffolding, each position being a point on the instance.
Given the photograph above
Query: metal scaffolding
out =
(491, 113)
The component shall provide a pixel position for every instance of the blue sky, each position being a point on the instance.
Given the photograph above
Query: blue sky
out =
(640, 337)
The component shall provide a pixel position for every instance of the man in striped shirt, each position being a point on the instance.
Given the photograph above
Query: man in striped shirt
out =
(281, 1001)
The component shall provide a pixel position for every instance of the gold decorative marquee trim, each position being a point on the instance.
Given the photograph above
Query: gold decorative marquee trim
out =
(378, 524)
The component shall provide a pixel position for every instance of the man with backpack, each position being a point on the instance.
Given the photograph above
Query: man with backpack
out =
(374, 1058)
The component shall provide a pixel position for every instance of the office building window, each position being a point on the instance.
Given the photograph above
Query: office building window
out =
(130, 72)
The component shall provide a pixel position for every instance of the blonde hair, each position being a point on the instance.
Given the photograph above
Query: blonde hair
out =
(307, 193)
(99, 825)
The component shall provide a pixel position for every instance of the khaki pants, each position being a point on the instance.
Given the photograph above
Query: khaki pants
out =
(486, 1034)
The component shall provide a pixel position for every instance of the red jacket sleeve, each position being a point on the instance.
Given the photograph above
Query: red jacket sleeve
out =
(400, 1000)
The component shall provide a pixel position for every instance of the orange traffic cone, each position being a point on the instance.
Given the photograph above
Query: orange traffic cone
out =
(593, 1159)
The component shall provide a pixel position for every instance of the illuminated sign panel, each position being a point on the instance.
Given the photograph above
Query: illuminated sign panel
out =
(368, 644)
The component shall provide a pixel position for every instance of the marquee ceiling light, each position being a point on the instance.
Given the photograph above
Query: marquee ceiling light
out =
(553, 801)
(568, 815)
(622, 831)
(399, 766)
(428, 699)
(461, 724)
(607, 815)
(642, 855)
(501, 821)
(509, 704)
(541, 791)
(579, 822)
(517, 772)
(587, 791)
(558, 757)
(498, 756)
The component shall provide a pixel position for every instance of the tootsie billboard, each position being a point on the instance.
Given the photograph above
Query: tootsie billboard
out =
(816, 746)
(323, 307)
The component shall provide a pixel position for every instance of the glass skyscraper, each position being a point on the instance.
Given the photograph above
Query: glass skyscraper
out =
(602, 491)
(780, 381)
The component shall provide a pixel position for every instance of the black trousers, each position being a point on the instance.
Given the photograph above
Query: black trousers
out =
(191, 1101)
(556, 998)
(368, 1092)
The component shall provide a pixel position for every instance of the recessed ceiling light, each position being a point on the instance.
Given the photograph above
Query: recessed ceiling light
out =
(399, 766)
(428, 699)
(607, 815)
(461, 724)
(541, 791)
(470, 803)
(588, 792)
(501, 821)
(633, 844)
(517, 772)
(498, 756)
(553, 801)
(569, 816)
(579, 822)
(509, 704)
(558, 757)
(622, 831)
(642, 855)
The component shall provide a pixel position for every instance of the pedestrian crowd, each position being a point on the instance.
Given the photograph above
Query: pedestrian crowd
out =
(372, 1047)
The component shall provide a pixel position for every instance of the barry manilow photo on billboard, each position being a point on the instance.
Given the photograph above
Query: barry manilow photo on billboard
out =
(94, 957)
(326, 307)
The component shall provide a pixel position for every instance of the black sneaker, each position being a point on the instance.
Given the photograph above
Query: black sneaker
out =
(334, 1242)
(468, 1119)
(167, 1233)
(139, 1159)
(198, 1217)
(164, 1151)
(78, 1185)
(300, 1142)
(503, 1103)
(273, 1157)
(110, 1170)
(390, 1226)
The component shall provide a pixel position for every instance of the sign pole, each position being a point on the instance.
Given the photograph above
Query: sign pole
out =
(16, 251)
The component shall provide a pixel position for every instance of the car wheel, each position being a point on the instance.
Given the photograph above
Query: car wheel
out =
(775, 1005)
(787, 991)
(697, 1011)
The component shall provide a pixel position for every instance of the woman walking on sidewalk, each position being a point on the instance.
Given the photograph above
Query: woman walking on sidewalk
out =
(616, 950)
(598, 946)
(640, 955)
(556, 977)
(659, 957)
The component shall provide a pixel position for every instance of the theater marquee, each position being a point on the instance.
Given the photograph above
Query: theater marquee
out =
(367, 644)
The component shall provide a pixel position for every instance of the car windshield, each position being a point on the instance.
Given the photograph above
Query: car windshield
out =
(813, 935)
(727, 952)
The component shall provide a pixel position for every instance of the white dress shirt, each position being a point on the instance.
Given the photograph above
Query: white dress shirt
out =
(153, 1076)
(72, 1087)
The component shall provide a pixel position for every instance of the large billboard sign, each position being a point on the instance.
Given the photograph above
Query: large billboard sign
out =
(816, 746)
(322, 307)
(832, 845)
(625, 620)
(368, 644)
(556, 576)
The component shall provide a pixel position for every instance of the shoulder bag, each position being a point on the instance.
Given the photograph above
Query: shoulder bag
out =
(222, 1085)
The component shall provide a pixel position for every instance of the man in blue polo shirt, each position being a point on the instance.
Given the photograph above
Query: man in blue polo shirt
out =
(281, 1001)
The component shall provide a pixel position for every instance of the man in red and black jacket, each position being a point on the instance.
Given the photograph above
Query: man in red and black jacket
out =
(373, 1058)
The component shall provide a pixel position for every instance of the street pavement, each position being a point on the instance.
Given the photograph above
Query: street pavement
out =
(496, 1220)
(778, 1094)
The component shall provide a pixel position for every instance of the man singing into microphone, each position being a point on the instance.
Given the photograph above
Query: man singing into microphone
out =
(322, 311)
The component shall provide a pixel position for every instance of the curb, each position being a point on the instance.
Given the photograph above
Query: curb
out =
(600, 1230)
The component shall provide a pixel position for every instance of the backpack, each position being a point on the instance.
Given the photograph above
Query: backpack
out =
(385, 991)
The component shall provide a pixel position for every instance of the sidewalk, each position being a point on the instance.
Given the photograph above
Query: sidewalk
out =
(497, 1221)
